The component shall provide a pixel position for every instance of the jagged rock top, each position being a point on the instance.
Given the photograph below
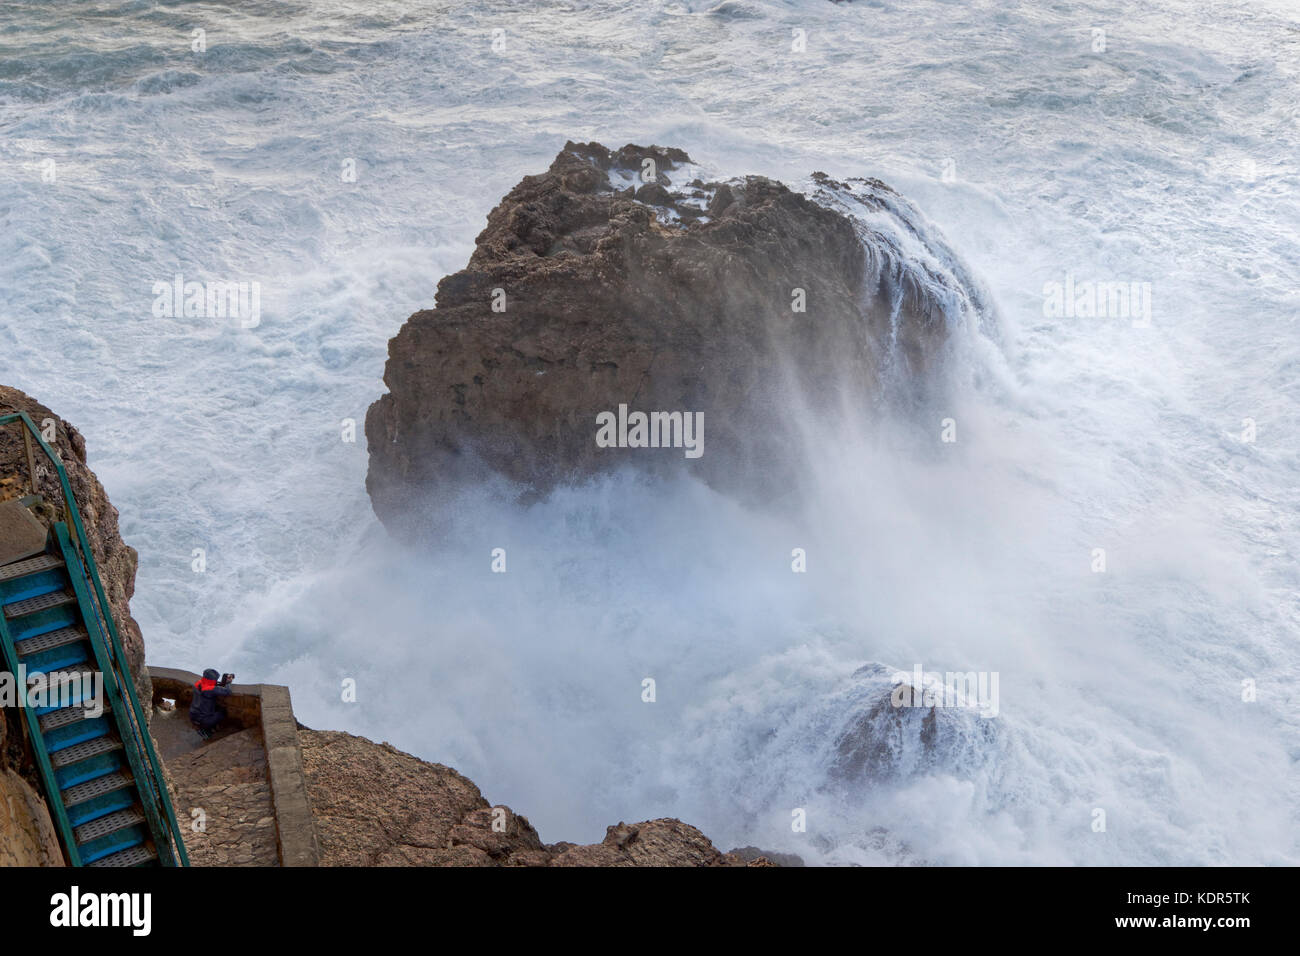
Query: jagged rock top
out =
(622, 277)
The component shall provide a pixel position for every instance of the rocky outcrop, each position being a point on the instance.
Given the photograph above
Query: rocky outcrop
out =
(753, 856)
(377, 806)
(620, 278)
(663, 842)
(26, 832)
(27, 835)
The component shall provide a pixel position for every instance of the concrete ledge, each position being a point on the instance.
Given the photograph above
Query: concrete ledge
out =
(293, 818)
(269, 707)
(244, 705)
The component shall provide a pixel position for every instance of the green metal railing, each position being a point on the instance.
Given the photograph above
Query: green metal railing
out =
(150, 781)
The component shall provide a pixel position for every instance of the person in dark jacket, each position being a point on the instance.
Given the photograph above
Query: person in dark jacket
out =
(206, 713)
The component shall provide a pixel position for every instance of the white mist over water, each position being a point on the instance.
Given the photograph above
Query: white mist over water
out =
(1169, 158)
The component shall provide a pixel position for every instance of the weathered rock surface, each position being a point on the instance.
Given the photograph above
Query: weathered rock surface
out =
(377, 806)
(26, 831)
(590, 288)
(754, 856)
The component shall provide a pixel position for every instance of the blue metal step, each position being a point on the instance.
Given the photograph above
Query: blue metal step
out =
(83, 762)
(18, 570)
(111, 834)
(33, 585)
(97, 807)
(50, 639)
(46, 599)
(84, 792)
(87, 770)
(94, 748)
(114, 843)
(57, 658)
(28, 566)
(103, 784)
(73, 734)
(38, 615)
(135, 856)
(69, 687)
(70, 715)
(103, 795)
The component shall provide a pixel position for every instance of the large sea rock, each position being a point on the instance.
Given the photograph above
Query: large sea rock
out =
(621, 279)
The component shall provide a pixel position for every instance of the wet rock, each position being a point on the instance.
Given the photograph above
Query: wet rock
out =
(620, 278)
(891, 730)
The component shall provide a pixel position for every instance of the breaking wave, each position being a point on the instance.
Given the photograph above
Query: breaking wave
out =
(1120, 691)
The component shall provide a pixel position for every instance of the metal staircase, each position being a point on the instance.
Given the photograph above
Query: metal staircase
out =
(102, 779)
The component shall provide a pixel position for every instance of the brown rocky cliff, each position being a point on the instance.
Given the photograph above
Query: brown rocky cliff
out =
(377, 806)
(27, 835)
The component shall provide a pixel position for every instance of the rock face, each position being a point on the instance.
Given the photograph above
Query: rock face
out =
(26, 832)
(592, 288)
(27, 836)
(377, 806)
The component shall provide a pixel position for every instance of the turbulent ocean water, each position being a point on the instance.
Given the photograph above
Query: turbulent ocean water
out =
(1162, 151)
